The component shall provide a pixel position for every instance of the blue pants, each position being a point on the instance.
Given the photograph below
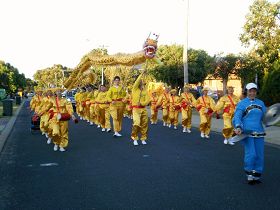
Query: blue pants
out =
(254, 154)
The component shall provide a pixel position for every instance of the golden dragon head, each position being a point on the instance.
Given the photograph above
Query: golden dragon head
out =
(150, 46)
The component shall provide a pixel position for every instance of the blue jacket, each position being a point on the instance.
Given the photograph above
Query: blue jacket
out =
(249, 115)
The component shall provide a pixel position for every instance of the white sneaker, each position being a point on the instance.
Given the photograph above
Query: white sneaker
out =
(250, 178)
(231, 143)
(88, 121)
(49, 141)
(206, 136)
(188, 130)
(135, 143)
(202, 135)
(117, 134)
(226, 141)
(108, 130)
(61, 149)
(98, 126)
(103, 129)
(184, 130)
(81, 118)
(144, 142)
(43, 133)
(175, 127)
(91, 123)
(169, 125)
(46, 135)
(164, 124)
(55, 148)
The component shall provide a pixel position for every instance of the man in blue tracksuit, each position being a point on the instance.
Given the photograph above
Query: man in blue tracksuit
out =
(247, 119)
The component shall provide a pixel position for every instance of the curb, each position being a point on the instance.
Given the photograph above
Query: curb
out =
(272, 132)
(9, 127)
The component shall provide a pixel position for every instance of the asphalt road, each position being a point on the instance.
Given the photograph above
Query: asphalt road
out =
(173, 171)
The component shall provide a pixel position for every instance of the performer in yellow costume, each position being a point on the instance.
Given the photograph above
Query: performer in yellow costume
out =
(154, 108)
(92, 108)
(36, 101)
(78, 103)
(115, 96)
(187, 103)
(174, 108)
(88, 96)
(62, 112)
(228, 103)
(128, 106)
(103, 107)
(44, 117)
(46, 113)
(206, 106)
(163, 102)
(140, 99)
(82, 104)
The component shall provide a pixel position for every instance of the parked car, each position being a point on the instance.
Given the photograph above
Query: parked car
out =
(213, 94)
(31, 94)
(70, 96)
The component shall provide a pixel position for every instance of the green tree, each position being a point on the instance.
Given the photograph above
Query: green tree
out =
(262, 31)
(249, 69)
(223, 67)
(200, 65)
(270, 90)
(172, 70)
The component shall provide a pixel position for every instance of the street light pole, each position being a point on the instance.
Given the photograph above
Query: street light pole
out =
(185, 52)
(102, 70)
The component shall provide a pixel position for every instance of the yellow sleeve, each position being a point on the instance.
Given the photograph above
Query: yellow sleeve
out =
(193, 100)
(220, 105)
(212, 103)
(47, 106)
(69, 108)
(147, 98)
(159, 102)
(109, 95)
(137, 82)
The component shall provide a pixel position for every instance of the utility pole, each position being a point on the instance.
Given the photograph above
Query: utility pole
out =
(185, 52)
(103, 47)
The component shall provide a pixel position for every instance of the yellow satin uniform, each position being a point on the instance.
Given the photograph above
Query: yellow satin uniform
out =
(140, 99)
(115, 96)
(228, 104)
(188, 101)
(204, 105)
(103, 107)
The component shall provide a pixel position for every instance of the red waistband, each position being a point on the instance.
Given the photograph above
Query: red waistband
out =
(138, 107)
(119, 99)
(102, 103)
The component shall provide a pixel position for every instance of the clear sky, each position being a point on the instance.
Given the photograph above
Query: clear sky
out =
(36, 34)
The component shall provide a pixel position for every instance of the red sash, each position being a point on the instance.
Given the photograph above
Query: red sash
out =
(64, 116)
(138, 107)
(210, 111)
(227, 109)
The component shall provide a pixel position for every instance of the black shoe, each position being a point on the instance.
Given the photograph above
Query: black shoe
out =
(251, 182)
(258, 181)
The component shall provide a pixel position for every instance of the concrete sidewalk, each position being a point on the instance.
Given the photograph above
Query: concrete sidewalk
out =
(7, 124)
(272, 133)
